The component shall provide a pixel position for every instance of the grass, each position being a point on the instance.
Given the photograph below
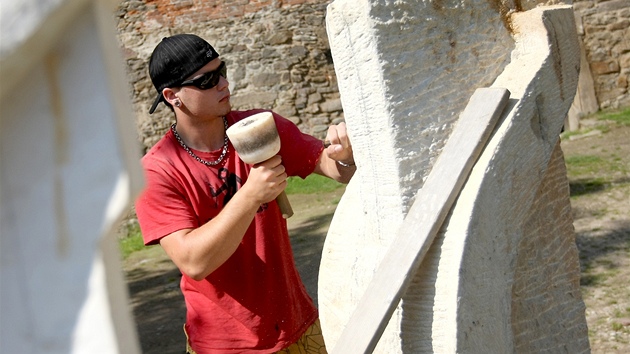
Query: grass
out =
(587, 173)
(132, 241)
(311, 184)
(579, 166)
(620, 116)
(584, 164)
(587, 186)
(599, 177)
(592, 279)
(594, 172)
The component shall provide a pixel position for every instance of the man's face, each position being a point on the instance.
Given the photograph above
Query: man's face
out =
(206, 103)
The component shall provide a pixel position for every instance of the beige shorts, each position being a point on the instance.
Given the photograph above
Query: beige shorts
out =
(311, 342)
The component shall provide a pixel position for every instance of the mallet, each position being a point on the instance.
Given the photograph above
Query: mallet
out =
(256, 139)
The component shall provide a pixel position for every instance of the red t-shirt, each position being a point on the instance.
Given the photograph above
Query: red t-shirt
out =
(255, 301)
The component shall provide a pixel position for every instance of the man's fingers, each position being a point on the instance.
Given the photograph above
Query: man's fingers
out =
(337, 134)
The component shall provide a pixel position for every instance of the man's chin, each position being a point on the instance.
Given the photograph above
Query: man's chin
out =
(223, 106)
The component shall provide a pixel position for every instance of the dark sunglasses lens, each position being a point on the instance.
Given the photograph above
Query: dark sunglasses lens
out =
(209, 79)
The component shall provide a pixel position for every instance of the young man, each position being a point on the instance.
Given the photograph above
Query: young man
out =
(216, 217)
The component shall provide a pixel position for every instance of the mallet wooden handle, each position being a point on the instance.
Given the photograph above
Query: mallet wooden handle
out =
(284, 205)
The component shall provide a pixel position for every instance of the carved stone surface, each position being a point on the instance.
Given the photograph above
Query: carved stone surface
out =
(546, 308)
(404, 74)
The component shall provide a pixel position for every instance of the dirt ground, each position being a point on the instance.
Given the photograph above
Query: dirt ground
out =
(601, 213)
(602, 225)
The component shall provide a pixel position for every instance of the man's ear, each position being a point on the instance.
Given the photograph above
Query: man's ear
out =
(170, 95)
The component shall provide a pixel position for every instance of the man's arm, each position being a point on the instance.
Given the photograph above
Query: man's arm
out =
(337, 160)
(198, 252)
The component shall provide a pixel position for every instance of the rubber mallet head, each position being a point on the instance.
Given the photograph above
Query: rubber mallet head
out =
(256, 139)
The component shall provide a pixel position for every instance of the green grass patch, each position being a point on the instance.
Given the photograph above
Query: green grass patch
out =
(567, 134)
(617, 326)
(583, 172)
(582, 161)
(312, 184)
(590, 166)
(620, 116)
(132, 242)
(590, 173)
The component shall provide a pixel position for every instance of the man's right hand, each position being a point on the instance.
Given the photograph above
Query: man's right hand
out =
(266, 180)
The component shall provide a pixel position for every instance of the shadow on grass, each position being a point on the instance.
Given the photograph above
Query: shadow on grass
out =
(594, 245)
(585, 186)
(307, 242)
(158, 308)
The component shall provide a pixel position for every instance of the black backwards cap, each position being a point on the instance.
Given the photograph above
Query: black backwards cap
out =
(174, 59)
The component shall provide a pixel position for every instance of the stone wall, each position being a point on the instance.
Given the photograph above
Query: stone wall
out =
(604, 27)
(279, 58)
(277, 55)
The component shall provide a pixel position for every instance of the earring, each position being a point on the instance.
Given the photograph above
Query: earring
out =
(178, 103)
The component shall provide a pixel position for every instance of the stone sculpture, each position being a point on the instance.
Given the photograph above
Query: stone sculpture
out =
(503, 273)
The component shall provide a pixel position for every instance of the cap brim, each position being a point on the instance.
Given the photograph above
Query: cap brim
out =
(157, 101)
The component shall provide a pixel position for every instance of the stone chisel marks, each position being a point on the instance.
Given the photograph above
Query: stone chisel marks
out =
(424, 220)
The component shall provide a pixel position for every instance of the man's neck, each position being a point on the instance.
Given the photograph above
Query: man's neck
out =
(202, 135)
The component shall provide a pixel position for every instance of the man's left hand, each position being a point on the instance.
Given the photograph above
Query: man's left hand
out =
(340, 148)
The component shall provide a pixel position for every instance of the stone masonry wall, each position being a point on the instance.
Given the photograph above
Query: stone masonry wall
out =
(604, 27)
(276, 51)
(278, 54)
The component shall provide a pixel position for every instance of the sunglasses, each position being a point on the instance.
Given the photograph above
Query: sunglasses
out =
(209, 79)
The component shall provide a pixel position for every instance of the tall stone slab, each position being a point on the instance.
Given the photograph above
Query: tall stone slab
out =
(405, 71)
(69, 169)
